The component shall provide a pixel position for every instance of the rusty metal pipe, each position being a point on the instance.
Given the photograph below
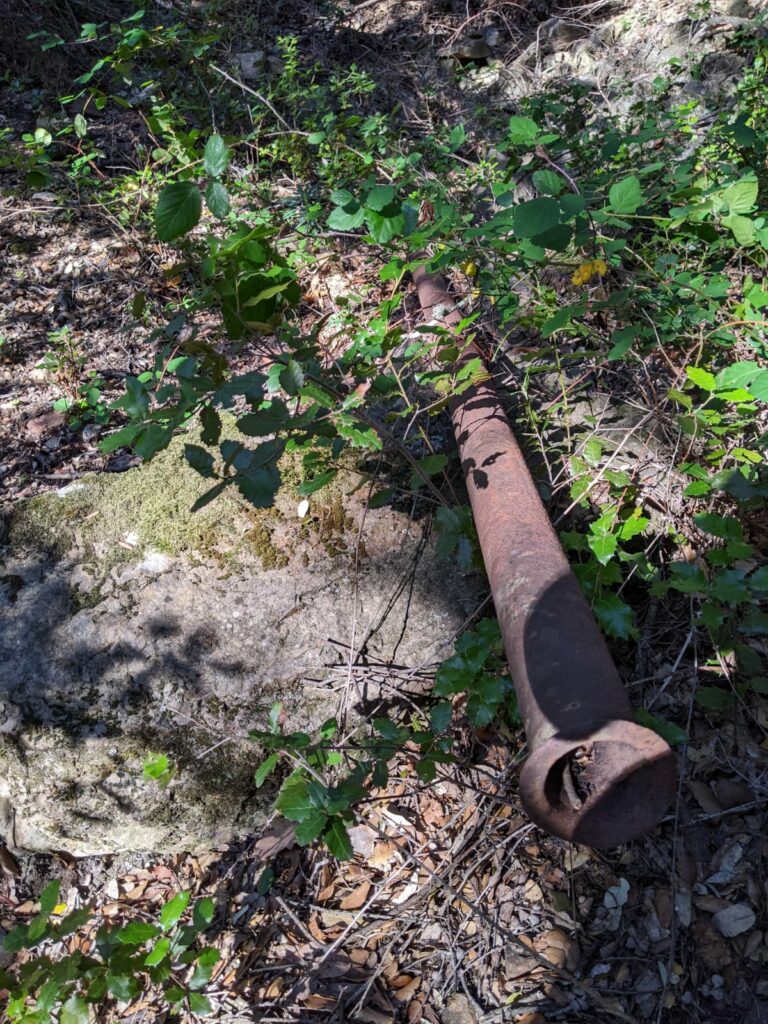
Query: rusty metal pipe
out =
(593, 775)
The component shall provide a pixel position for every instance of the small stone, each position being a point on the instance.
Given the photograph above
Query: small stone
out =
(253, 64)
(154, 562)
(734, 920)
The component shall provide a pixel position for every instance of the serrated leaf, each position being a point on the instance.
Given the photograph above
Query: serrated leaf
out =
(49, 898)
(337, 840)
(311, 828)
(535, 217)
(548, 182)
(215, 157)
(346, 218)
(759, 386)
(217, 199)
(265, 769)
(440, 716)
(742, 228)
(74, 1011)
(741, 196)
(603, 547)
(522, 131)
(198, 1003)
(173, 910)
(626, 196)
(380, 197)
(614, 616)
(294, 801)
(136, 932)
(178, 210)
(158, 954)
(701, 378)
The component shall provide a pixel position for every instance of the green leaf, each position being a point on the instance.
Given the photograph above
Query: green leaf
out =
(626, 196)
(737, 375)
(759, 386)
(178, 210)
(198, 1003)
(535, 217)
(346, 218)
(742, 196)
(428, 466)
(137, 932)
(440, 716)
(523, 131)
(701, 378)
(383, 227)
(202, 913)
(216, 156)
(81, 126)
(265, 769)
(217, 200)
(74, 1011)
(49, 898)
(267, 420)
(337, 840)
(548, 182)
(743, 228)
(725, 527)
(603, 547)
(158, 954)
(614, 616)
(292, 377)
(713, 698)
(380, 197)
(293, 800)
(311, 827)
(43, 137)
(668, 731)
(122, 988)
(173, 910)
(317, 482)
(622, 341)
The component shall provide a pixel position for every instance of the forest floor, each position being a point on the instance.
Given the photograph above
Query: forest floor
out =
(455, 909)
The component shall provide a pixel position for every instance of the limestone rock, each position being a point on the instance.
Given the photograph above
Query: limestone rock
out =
(110, 653)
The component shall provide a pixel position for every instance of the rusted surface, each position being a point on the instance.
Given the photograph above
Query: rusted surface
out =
(593, 775)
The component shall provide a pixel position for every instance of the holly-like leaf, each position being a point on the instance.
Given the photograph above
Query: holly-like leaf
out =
(178, 210)
(74, 1011)
(265, 769)
(173, 910)
(136, 932)
(337, 840)
(311, 827)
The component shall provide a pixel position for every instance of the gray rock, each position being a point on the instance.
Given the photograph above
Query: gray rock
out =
(180, 657)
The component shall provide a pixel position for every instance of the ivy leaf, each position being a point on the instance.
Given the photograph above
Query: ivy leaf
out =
(215, 157)
(614, 616)
(217, 200)
(626, 196)
(178, 210)
(337, 840)
(603, 547)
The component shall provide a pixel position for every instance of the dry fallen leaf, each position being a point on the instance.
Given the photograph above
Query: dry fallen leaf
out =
(356, 898)
(734, 920)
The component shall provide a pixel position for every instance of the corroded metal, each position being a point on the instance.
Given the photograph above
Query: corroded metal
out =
(593, 775)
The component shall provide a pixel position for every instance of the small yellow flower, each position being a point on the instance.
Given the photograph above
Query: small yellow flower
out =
(469, 268)
(588, 270)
